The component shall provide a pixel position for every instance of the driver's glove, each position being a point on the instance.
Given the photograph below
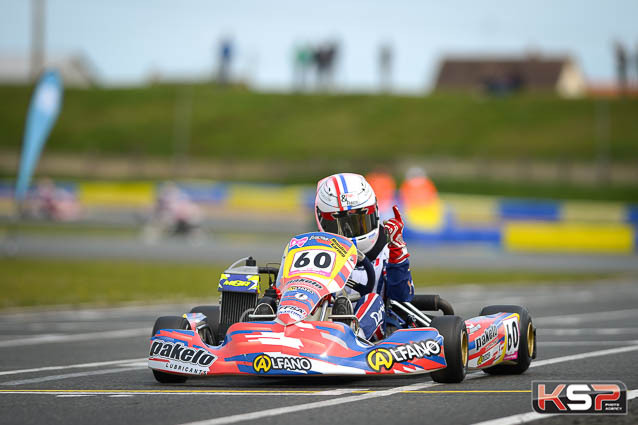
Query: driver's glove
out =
(394, 231)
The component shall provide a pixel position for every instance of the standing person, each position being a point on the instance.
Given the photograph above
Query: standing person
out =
(345, 204)
(621, 67)
(302, 60)
(225, 58)
(385, 67)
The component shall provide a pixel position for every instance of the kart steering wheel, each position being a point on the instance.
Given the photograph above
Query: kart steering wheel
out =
(363, 261)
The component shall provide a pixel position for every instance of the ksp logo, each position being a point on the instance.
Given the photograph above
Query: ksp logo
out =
(580, 397)
(380, 358)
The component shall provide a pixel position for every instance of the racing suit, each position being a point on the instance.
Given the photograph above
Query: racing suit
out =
(392, 280)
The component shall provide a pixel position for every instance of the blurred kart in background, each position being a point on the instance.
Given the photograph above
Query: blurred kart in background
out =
(304, 337)
(174, 214)
(50, 202)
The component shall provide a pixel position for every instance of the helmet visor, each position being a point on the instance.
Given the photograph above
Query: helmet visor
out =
(350, 224)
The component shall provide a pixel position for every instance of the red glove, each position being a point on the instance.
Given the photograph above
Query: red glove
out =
(394, 232)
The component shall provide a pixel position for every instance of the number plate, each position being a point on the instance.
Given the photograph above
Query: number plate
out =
(316, 261)
(513, 336)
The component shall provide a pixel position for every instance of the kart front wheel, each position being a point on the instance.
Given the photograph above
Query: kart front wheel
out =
(455, 341)
(213, 314)
(169, 322)
(527, 344)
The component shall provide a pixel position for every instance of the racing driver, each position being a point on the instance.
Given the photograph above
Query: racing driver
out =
(346, 204)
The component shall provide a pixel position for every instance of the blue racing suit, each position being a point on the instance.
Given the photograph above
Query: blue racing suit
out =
(393, 281)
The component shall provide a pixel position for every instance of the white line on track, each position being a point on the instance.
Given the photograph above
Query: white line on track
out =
(585, 331)
(72, 375)
(534, 416)
(594, 316)
(134, 332)
(89, 336)
(392, 391)
(73, 366)
(581, 356)
(123, 393)
(593, 343)
(314, 405)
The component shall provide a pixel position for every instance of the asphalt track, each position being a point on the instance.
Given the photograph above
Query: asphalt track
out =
(80, 366)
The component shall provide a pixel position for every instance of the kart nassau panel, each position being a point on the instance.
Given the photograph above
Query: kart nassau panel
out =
(315, 265)
(493, 339)
(304, 348)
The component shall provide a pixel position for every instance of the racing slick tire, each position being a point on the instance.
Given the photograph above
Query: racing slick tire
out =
(527, 345)
(213, 314)
(169, 322)
(455, 341)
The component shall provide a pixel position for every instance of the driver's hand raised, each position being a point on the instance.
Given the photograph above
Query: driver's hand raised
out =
(394, 231)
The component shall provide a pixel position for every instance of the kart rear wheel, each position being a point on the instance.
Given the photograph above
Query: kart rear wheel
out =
(527, 347)
(169, 322)
(212, 313)
(455, 341)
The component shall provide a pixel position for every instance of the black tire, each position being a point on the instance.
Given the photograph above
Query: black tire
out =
(169, 322)
(213, 314)
(527, 346)
(455, 342)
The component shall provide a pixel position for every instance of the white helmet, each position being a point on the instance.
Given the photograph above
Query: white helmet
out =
(346, 205)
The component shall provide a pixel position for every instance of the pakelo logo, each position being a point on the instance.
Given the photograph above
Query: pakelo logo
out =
(580, 397)
(380, 358)
(264, 363)
(489, 334)
(306, 281)
(177, 351)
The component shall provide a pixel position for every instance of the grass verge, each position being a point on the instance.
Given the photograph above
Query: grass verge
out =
(45, 282)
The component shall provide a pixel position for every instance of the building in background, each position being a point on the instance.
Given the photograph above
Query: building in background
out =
(502, 75)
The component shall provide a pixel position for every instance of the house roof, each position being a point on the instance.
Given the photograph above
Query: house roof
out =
(533, 72)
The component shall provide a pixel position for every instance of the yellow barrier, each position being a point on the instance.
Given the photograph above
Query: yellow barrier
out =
(426, 218)
(265, 198)
(568, 237)
(593, 211)
(116, 194)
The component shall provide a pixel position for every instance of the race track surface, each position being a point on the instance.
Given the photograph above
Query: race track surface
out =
(88, 366)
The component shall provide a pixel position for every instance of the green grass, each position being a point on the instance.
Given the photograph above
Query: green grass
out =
(239, 124)
(44, 282)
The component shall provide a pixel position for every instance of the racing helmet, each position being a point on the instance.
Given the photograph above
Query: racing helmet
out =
(345, 204)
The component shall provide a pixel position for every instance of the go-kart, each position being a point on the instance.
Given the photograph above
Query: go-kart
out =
(303, 337)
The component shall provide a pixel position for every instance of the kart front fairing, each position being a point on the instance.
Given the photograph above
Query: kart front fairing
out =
(316, 265)
(304, 348)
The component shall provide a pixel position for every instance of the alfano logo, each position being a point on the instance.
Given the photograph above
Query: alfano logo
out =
(580, 397)
(380, 358)
(264, 363)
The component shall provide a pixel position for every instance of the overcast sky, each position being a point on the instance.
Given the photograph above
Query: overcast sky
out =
(127, 40)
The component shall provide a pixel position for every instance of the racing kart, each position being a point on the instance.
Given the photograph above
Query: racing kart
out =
(303, 337)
